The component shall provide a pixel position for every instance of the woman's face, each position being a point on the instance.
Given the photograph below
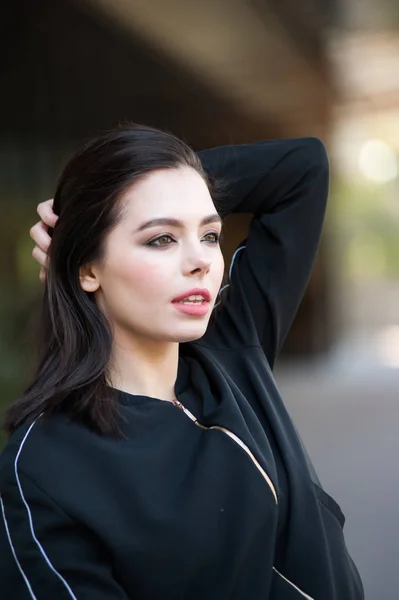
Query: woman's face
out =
(165, 245)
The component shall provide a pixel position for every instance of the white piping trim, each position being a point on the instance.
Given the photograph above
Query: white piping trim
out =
(230, 272)
(219, 292)
(293, 585)
(32, 595)
(60, 577)
(223, 288)
(233, 259)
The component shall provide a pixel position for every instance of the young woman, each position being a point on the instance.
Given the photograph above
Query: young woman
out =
(152, 457)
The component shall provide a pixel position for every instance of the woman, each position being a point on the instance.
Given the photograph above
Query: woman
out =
(152, 456)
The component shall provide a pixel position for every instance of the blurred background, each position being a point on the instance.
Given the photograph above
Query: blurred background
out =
(223, 72)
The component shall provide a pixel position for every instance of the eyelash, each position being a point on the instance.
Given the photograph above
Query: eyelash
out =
(166, 235)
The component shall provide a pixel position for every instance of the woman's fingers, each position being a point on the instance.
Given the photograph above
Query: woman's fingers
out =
(39, 256)
(39, 235)
(45, 212)
(42, 274)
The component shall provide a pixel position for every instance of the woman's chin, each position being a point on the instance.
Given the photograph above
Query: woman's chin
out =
(190, 334)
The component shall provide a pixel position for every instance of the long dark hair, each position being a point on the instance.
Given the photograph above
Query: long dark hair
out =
(75, 348)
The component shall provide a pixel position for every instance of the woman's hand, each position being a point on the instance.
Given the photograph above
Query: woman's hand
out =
(39, 235)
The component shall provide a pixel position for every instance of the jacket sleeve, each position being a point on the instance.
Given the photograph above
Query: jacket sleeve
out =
(284, 185)
(44, 554)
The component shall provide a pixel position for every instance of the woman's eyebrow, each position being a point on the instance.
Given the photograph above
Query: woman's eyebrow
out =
(214, 218)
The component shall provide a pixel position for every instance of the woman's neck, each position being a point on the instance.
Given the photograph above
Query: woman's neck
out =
(144, 367)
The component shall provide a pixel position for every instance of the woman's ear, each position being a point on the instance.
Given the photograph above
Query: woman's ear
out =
(89, 278)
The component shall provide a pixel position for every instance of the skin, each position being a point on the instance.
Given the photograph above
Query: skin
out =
(143, 271)
(39, 235)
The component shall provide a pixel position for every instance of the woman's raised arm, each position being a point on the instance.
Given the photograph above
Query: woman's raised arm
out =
(284, 185)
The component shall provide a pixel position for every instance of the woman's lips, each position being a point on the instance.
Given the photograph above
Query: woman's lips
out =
(194, 292)
(195, 310)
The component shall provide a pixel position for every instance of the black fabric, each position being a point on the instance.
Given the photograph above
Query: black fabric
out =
(178, 511)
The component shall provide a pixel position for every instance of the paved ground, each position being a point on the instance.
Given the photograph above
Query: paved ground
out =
(347, 411)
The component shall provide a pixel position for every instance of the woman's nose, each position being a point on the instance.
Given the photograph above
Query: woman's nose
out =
(204, 264)
(199, 262)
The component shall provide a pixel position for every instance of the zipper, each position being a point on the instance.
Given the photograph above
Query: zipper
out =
(303, 594)
(235, 438)
(242, 445)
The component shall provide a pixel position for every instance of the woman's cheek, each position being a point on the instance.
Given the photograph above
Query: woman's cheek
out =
(149, 279)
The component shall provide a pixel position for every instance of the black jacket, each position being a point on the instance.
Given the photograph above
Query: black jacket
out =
(221, 505)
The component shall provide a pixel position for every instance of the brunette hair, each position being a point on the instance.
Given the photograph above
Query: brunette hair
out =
(76, 340)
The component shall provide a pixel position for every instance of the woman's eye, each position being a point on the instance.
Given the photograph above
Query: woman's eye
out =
(165, 240)
(162, 240)
(215, 237)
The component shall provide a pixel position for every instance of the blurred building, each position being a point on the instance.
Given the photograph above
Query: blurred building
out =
(364, 147)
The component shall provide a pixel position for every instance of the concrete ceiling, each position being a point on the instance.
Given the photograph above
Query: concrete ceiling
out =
(237, 50)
